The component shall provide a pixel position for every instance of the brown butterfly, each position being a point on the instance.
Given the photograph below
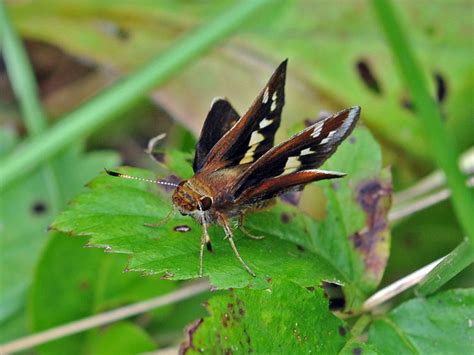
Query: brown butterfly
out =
(237, 168)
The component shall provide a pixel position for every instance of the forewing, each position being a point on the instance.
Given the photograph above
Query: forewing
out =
(305, 150)
(254, 132)
(219, 120)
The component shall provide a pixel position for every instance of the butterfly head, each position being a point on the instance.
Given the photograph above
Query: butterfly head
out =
(189, 200)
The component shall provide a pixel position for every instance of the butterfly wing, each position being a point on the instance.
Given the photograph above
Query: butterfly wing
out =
(219, 120)
(254, 132)
(293, 162)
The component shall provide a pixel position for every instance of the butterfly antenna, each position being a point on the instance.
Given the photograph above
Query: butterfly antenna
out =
(125, 176)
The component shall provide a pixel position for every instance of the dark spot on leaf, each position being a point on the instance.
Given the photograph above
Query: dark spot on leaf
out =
(357, 351)
(300, 247)
(123, 34)
(367, 76)
(188, 343)
(374, 197)
(182, 229)
(84, 285)
(39, 208)
(228, 351)
(334, 293)
(293, 198)
(406, 103)
(335, 185)
(441, 88)
(310, 288)
(225, 320)
(342, 331)
(230, 306)
(352, 139)
(269, 280)
(285, 217)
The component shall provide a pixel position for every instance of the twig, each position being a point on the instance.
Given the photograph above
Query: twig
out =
(418, 205)
(435, 180)
(103, 318)
(399, 286)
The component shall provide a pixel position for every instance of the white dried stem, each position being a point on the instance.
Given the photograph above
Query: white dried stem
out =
(399, 286)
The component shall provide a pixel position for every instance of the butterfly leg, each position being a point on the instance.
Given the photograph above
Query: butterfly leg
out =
(163, 221)
(230, 238)
(245, 231)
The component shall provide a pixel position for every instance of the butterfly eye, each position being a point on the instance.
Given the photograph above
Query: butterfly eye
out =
(206, 203)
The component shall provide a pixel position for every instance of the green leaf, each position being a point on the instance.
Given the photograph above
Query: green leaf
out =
(286, 319)
(89, 282)
(113, 215)
(349, 246)
(441, 324)
(120, 338)
(27, 201)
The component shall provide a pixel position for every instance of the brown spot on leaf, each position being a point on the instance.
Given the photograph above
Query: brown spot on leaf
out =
(225, 320)
(357, 351)
(188, 343)
(342, 331)
(300, 247)
(269, 280)
(84, 285)
(367, 76)
(374, 197)
(285, 218)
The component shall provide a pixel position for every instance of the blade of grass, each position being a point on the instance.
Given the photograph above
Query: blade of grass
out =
(441, 144)
(452, 264)
(24, 85)
(107, 106)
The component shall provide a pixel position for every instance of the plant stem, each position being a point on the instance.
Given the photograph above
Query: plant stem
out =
(441, 145)
(103, 318)
(452, 264)
(24, 85)
(107, 106)
(399, 286)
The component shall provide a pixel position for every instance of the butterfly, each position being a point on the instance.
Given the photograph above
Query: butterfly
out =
(238, 169)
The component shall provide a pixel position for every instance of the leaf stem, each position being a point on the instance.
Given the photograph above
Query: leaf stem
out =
(107, 106)
(456, 261)
(103, 318)
(441, 144)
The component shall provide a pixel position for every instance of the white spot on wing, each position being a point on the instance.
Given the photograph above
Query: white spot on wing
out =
(328, 138)
(265, 95)
(264, 123)
(306, 151)
(256, 137)
(317, 129)
(292, 164)
(274, 101)
(248, 157)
